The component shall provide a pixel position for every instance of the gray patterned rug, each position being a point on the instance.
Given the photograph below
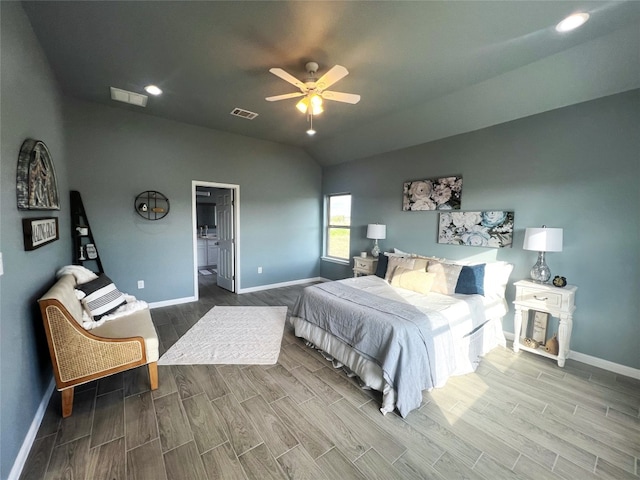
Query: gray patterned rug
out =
(232, 336)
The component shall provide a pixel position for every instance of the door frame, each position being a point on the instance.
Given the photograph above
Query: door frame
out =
(236, 231)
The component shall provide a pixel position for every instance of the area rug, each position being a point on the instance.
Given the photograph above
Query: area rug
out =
(232, 336)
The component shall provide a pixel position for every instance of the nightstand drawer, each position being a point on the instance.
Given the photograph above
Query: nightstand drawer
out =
(363, 264)
(545, 299)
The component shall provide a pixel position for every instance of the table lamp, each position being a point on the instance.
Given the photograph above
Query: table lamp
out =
(376, 232)
(542, 240)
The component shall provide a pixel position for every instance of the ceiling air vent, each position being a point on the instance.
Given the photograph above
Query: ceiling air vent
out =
(128, 97)
(239, 112)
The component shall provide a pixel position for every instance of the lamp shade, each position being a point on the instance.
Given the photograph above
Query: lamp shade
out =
(313, 101)
(543, 239)
(376, 231)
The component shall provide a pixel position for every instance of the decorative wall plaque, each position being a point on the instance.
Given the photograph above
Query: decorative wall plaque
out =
(36, 183)
(39, 231)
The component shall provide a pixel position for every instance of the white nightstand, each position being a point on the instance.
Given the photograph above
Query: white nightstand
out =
(559, 302)
(364, 266)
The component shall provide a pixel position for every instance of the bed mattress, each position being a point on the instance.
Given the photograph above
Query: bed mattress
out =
(473, 320)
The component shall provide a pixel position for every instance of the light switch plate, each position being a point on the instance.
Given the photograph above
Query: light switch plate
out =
(1, 265)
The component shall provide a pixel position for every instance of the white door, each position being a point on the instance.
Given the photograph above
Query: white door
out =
(226, 254)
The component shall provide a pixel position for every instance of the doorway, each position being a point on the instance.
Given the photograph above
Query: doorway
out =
(215, 218)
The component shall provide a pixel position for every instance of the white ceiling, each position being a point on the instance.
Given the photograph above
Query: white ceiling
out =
(425, 69)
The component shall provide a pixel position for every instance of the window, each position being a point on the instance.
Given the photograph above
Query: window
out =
(338, 226)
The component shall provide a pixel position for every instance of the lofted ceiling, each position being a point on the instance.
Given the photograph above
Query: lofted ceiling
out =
(424, 69)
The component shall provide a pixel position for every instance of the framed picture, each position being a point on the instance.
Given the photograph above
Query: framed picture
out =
(432, 194)
(476, 229)
(39, 231)
(539, 322)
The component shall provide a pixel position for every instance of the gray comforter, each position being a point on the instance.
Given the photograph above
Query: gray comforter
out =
(411, 346)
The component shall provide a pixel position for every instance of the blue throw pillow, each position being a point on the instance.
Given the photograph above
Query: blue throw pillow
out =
(471, 280)
(383, 262)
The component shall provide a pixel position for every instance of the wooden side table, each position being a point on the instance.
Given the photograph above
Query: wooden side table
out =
(558, 302)
(364, 266)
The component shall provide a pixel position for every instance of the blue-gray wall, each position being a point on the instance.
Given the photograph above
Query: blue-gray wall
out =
(31, 108)
(116, 154)
(576, 168)
(110, 155)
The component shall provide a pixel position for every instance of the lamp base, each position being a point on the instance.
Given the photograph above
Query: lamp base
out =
(540, 272)
(375, 251)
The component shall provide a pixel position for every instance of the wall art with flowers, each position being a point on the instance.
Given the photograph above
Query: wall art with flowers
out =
(476, 229)
(433, 194)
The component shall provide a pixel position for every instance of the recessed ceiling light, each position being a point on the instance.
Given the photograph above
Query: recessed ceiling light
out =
(572, 22)
(152, 90)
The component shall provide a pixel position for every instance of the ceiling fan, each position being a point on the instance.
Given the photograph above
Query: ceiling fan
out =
(314, 91)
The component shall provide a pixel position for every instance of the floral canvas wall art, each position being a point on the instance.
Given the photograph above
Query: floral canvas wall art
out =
(476, 229)
(433, 194)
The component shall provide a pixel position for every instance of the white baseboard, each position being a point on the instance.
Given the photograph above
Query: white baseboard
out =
(178, 301)
(30, 437)
(283, 284)
(175, 301)
(596, 362)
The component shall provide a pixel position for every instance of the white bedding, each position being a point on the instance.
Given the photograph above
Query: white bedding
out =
(474, 320)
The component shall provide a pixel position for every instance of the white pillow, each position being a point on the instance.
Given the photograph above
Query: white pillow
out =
(496, 277)
(394, 254)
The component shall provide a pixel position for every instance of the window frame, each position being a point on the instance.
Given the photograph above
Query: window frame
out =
(328, 228)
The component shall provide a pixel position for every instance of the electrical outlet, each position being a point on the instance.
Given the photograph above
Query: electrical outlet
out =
(259, 269)
(140, 284)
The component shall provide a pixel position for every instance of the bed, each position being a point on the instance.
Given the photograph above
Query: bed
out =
(409, 327)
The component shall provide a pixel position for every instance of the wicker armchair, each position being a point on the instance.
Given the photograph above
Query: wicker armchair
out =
(80, 356)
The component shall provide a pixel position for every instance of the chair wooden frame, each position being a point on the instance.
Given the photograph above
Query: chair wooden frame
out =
(79, 357)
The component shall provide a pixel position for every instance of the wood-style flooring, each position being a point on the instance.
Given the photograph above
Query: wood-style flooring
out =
(518, 417)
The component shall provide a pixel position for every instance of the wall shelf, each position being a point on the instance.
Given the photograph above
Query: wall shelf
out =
(84, 246)
(152, 205)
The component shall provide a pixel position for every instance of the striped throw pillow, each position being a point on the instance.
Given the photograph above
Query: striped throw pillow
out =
(101, 296)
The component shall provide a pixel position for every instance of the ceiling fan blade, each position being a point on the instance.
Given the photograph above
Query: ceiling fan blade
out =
(332, 76)
(284, 97)
(341, 97)
(278, 72)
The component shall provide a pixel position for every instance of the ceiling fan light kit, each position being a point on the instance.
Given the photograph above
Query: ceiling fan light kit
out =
(314, 92)
(312, 101)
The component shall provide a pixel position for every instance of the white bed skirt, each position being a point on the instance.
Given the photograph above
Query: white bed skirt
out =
(469, 350)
